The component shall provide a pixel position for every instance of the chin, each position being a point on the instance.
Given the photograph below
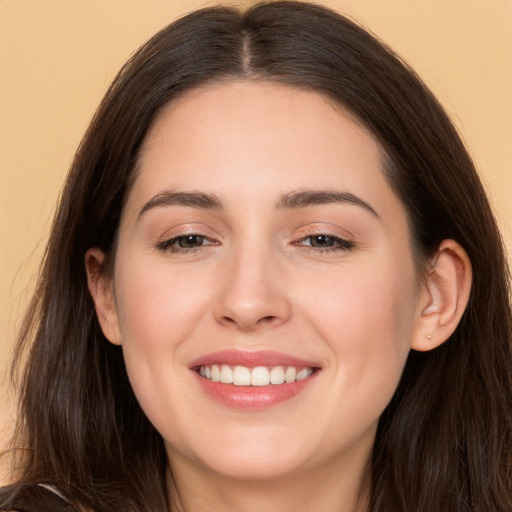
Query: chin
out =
(251, 455)
(248, 467)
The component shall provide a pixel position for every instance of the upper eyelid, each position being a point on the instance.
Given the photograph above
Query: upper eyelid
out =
(342, 240)
(307, 233)
(323, 228)
(185, 235)
(314, 228)
(329, 235)
(326, 232)
(187, 229)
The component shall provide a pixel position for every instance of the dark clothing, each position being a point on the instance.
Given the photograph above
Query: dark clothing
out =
(32, 498)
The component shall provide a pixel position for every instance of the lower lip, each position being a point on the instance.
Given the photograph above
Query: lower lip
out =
(253, 397)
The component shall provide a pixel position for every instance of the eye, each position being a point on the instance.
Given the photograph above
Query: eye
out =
(189, 241)
(323, 243)
(184, 243)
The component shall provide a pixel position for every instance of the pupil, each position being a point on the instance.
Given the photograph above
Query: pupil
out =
(322, 241)
(187, 242)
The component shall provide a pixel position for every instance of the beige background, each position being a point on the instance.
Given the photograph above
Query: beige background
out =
(57, 58)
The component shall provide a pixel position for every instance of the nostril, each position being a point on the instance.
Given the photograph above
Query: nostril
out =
(250, 324)
(267, 319)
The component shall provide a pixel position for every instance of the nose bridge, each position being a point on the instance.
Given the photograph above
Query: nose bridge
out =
(251, 296)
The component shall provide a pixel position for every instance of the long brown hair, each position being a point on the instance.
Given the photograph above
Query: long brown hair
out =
(445, 440)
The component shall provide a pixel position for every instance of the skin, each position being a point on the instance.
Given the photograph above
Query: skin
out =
(257, 283)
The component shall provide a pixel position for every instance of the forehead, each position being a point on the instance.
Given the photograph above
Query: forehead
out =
(242, 137)
(245, 110)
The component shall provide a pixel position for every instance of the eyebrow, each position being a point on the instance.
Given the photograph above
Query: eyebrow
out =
(200, 200)
(303, 199)
(290, 200)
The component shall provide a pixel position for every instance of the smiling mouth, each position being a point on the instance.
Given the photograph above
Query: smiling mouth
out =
(253, 381)
(257, 376)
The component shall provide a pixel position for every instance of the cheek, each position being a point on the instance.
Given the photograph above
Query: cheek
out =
(157, 307)
(376, 320)
(366, 319)
(159, 311)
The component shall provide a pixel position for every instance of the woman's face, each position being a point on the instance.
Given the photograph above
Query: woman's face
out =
(261, 242)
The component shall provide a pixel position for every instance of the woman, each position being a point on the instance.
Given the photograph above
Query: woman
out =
(294, 291)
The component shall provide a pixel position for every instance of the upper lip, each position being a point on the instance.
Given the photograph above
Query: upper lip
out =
(250, 359)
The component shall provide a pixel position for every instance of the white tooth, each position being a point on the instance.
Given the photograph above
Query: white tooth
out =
(215, 373)
(277, 375)
(202, 371)
(291, 374)
(207, 372)
(241, 376)
(260, 376)
(302, 374)
(226, 374)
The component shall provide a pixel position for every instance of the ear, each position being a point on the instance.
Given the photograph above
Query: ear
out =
(101, 289)
(444, 296)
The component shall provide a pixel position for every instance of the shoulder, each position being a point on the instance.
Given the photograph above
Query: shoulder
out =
(33, 498)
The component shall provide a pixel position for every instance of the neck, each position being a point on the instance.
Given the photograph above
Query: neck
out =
(329, 489)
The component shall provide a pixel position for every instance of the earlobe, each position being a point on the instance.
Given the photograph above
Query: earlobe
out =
(444, 296)
(101, 290)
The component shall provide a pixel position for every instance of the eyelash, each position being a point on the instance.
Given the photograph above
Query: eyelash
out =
(168, 245)
(337, 244)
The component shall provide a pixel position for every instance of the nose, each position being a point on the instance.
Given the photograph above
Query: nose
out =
(253, 293)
